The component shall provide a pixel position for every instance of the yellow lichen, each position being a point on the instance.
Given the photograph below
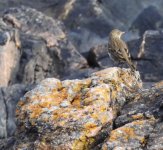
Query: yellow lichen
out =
(125, 132)
(35, 111)
(137, 116)
(82, 143)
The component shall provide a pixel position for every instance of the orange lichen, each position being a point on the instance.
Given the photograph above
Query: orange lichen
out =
(77, 101)
(82, 143)
(89, 125)
(137, 116)
(138, 122)
(125, 132)
(35, 111)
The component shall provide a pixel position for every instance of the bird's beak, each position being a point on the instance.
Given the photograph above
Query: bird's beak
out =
(123, 32)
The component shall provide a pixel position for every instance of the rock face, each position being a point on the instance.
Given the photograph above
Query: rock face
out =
(138, 127)
(9, 56)
(67, 39)
(46, 51)
(150, 55)
(73, 114)
(9, 96)
(144, 21)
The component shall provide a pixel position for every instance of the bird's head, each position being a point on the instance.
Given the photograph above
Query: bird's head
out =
(116, 33)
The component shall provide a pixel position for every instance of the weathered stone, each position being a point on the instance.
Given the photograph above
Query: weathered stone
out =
(130, 136)
(155, 141)
(146, 106)
(73, 114)
(9, 96)
(148, 19)
(37, 24)
(46, 50)
(150, 55)
(35, 63)
(9, 56)
(98, 56)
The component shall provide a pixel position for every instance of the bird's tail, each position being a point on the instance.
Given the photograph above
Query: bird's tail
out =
(132, 66)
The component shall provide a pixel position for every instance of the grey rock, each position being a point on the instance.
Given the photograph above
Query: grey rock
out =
(9, 55)
(46, 50)
(148, 19)
(150, 56)
(98, 57)
(155, 141)
(35, 62)
(9, 96)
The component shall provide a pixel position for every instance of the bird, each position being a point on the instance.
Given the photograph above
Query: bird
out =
(118, 50)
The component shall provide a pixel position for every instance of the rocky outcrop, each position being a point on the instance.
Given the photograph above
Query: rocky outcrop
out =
(45, 48)
(150, 56)
(73, 114)
(139, 127)
(108, 110)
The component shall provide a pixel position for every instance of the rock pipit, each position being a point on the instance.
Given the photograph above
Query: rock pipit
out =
(118, 49)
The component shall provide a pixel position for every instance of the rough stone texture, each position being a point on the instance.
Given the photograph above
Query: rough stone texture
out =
(141, 122)
(130, 136)
(73, 114)
(46, 51)
(98, 57)
(150, 55)
(36, 23)
(156, 138)
(9, 55)
(9, 96)
(148, 19)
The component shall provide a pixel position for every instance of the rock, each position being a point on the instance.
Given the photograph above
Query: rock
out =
(144, 21)
(37, 24)
(73, 113)
(155, 138)
(146, 54)
(9, 96)
(130, 136)
(90, 24)
(35, 63)
(150, 56)
(9, 55)
(46, 50)
(138, 125)
(98, 57)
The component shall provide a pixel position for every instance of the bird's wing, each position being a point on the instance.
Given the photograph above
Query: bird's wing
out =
(126, 55)
(123, 50)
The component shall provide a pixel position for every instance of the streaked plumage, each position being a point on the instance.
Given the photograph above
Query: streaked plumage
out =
(118, 49)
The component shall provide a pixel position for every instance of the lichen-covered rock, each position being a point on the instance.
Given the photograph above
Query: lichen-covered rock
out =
(155, 140)
(73, 114)
(144, 115)
(130, 136)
